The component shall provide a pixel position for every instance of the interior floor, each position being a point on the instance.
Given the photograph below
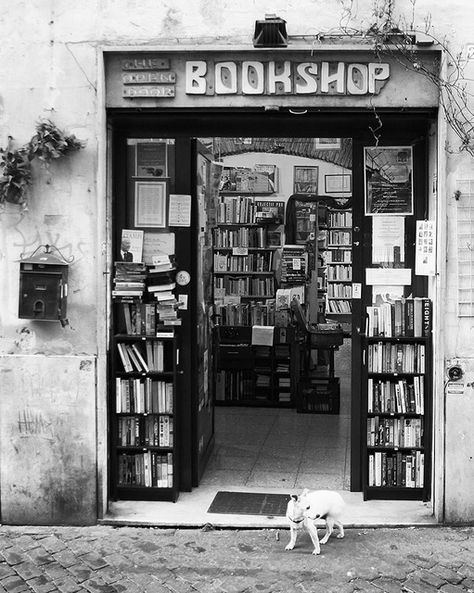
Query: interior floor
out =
(271, 447)
(278, 447)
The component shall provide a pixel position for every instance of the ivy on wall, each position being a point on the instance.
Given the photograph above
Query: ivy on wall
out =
(47, 144)
(397, 37)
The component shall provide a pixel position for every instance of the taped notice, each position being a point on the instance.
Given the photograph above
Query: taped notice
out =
(179, 211)
(388, 276)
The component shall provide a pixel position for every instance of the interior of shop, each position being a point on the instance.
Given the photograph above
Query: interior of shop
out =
(282, 234)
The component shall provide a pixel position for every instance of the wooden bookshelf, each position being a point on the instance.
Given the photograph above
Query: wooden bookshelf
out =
(339, 264)
(144, 368)
(243, 264)
(397, 404)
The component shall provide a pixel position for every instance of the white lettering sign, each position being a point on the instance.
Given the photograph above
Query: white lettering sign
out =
(253, 82)
(195, 81)
(285, 77)
(226, 78)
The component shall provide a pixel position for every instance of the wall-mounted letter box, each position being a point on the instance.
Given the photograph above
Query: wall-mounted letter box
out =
(43, 287)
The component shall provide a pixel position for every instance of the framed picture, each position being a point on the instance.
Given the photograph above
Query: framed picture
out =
(272, 172)
(150, 203)
(327, 143)
(388, 180)
(151, 158)
(338, 184)
(305, 180)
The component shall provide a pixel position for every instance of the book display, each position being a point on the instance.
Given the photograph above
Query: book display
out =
(144, 369)
(245, 243)
(397, 405)
(256, 374)
(338, 261)
(243, 266)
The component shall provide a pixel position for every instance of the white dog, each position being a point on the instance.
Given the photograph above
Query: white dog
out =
(307, 508)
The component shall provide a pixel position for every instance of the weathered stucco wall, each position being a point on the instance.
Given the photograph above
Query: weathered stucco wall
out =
(47, 440)
(51, 68)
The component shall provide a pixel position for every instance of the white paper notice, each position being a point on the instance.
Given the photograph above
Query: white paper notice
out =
(425, 259)
(157, 243)
(179, 213)
(383, 276)
(388, 239)
(262, 335)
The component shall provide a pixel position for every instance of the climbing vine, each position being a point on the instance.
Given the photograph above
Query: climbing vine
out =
(396, 37)
(47, 144)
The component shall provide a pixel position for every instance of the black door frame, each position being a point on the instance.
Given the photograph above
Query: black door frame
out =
(399, 127)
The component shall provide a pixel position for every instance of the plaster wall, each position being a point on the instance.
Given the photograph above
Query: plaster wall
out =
(51, 68)
(47, 440)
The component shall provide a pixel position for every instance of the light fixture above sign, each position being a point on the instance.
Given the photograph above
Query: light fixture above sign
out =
(271, 32)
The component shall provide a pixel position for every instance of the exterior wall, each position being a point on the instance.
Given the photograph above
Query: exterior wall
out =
(51, 58)
(47, 440)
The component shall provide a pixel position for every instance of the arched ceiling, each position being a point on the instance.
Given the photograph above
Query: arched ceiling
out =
(302, 147)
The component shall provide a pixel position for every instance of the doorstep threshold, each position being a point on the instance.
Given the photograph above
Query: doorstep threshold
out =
(190, 511)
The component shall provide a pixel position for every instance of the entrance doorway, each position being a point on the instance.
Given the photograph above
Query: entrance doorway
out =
(263, 419)
(282, 407)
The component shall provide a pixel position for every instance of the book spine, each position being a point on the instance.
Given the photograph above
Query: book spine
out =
(427, 318)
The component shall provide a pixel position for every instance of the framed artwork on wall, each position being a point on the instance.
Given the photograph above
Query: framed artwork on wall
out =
(305, 180)
(150, 203)
(338, 184)
(327, 143)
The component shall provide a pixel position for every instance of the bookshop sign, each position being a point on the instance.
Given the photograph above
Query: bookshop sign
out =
(202, 78)
(253, 77)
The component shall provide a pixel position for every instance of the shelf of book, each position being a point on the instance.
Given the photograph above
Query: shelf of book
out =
(144, 367)
(397, 401)
(243, 264)
(338, 263)
(256, 375)
(144, 427)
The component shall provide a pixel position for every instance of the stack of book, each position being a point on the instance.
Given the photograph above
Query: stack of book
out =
(129, 280)
(160, 286)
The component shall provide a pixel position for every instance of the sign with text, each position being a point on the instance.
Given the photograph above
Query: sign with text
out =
(253, 77)
(239, 78)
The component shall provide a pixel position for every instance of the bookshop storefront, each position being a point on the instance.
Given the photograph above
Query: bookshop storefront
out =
(273, 233)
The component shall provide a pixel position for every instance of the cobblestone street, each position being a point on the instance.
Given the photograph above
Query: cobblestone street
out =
(111, 559)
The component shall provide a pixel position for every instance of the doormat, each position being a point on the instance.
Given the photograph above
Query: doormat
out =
(249, 503)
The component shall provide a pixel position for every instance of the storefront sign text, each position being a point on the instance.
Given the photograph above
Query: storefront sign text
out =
(148, 91)
(286, 77)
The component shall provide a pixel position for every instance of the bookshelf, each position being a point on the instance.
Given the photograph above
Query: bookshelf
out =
(256, 375)
(244, 260)
(339, 264)
(397, 400)
(144, 369)
(246, 238)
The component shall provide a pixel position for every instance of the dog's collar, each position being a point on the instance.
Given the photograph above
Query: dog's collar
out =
(295, 521)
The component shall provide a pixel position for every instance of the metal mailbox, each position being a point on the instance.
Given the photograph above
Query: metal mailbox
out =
(43, 286)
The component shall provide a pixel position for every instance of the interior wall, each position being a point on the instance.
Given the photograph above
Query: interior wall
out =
(285, 164)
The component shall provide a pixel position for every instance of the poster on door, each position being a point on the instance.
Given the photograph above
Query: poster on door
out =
(388, 173)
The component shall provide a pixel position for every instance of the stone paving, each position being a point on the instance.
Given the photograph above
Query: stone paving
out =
(110, 559)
